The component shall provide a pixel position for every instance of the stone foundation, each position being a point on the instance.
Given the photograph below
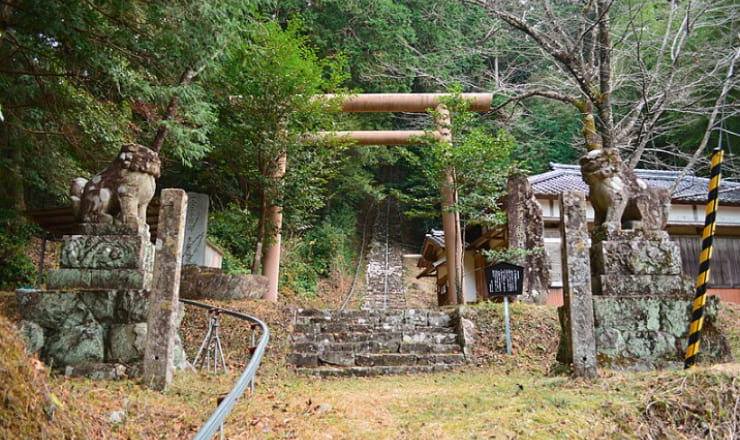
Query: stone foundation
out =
(83, 328)
(199, 282)
(642, 305)
(103, 262)
(641, 333)
(93, 319)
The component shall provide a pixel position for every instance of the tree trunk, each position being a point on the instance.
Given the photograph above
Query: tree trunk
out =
(592, 138)
(185, 80)
(11, 178)
(605, 76)
(257, 260)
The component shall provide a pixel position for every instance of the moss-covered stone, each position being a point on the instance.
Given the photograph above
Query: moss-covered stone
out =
(126, 342)
(106, 252)
(81, 344)
(649, 332)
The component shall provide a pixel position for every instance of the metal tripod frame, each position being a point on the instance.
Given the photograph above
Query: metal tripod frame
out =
(212, 345)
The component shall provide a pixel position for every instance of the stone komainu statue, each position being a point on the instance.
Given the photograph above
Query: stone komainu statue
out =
(121, 192)
(620, 199)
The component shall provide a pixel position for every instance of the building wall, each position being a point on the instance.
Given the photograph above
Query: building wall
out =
(724, 276)
(469, 284)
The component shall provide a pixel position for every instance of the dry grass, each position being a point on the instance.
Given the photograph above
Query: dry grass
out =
(499, 397)
(31, 405)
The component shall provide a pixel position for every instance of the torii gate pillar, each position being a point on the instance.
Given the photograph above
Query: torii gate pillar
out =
(450, 217)
(271, 262)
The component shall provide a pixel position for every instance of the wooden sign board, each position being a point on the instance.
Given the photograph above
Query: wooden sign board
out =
(504, 279)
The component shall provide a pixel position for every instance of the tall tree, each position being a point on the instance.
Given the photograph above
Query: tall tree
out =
(267, 109)
(626, 66)
(80, 77)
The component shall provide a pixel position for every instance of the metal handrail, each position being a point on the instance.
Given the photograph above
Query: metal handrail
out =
(216, 420)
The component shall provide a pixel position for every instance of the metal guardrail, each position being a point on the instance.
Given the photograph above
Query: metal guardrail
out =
(208, 430)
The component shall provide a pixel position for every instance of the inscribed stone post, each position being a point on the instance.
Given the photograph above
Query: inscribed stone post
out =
(577, 299)
(196, 227)
(526, 231)
(163, 301)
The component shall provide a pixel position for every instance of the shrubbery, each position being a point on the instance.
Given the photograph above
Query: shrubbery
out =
(16, 268)
(324, 251)
(233, 230)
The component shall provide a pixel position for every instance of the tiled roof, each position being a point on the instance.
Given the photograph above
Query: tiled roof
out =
(437, 237)
(692, 189)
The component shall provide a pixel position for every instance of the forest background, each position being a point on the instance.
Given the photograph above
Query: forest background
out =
(222, 89)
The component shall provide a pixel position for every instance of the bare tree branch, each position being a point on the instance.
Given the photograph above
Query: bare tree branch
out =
(710, 124)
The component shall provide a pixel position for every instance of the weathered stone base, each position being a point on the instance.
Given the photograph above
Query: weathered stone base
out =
(640, 333)
(106, 252)
(658, 285)
(81, 329)
(199, 282)
(134, 279)
(104, 262)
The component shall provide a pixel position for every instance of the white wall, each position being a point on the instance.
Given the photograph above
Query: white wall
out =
(469, 278)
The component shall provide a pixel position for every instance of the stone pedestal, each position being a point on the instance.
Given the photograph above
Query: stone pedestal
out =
(93, 319)
(200, 282)
(642, 304)
(651, 332)
(104, 262)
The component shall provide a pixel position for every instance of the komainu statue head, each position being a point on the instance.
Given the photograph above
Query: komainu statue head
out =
(120, 194)
(620, 199)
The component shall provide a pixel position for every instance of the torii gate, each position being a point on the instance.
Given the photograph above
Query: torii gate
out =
(393, 102)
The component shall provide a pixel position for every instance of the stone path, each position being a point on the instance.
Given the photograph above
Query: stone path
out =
(384, 275)
(368, 343)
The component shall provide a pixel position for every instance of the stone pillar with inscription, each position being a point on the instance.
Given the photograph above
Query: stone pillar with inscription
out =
(576, 314)
(163, 302)
(196, 229)
(525, 229)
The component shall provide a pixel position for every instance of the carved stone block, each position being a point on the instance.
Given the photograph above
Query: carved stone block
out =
(99, 279)
(107, 252)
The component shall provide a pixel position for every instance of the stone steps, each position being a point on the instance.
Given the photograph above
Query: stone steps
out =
(372, 342)
(373, 371)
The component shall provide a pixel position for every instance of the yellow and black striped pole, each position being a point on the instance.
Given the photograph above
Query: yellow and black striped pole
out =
(697, 314)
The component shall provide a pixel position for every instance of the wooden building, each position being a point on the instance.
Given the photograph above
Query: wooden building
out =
(685, 224)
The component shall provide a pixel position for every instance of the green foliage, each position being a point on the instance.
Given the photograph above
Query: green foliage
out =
(266, 108)
(233, 229)
(546, 132)
(16, 268)
(298, 275)
(479, 158)
(329, 246)
(79, 78)
(509, 255)
(400, 45)
(326, 250)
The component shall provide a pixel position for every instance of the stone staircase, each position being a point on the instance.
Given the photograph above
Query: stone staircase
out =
(384, 272)
(367, 342)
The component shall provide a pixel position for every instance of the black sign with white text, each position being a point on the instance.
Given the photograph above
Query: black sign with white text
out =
(504, 279)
